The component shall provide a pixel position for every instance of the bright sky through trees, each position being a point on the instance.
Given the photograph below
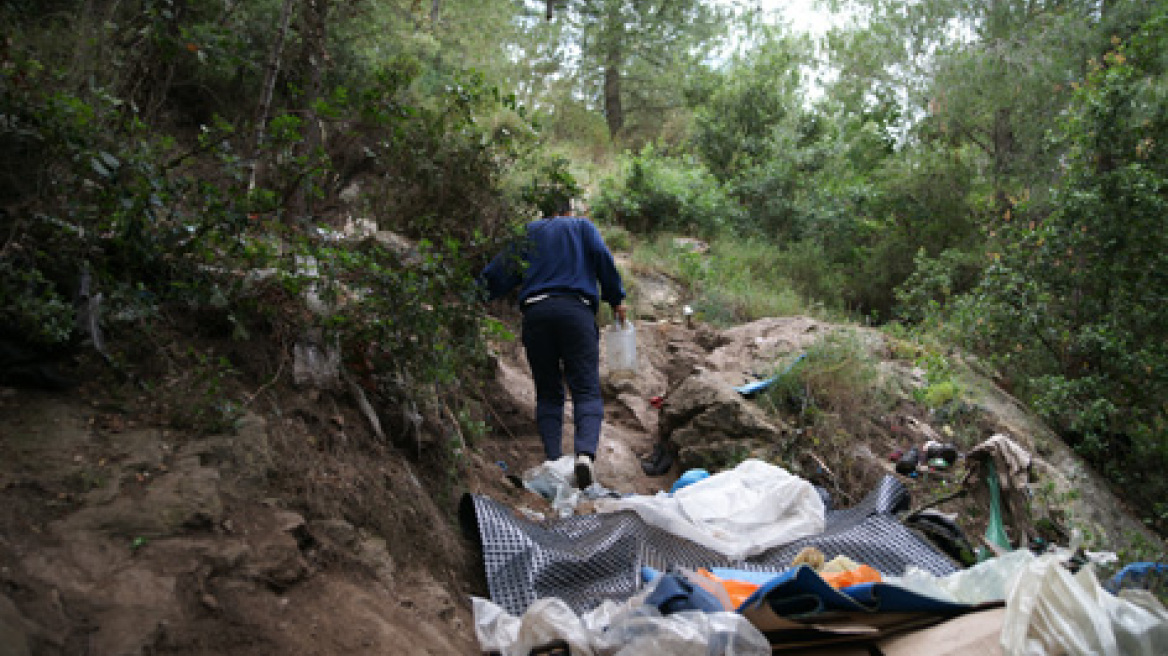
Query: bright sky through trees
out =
(803, 15)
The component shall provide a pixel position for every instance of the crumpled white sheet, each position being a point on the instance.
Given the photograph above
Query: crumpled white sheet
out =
(738, 513)
(627, 629)
(1049, 610)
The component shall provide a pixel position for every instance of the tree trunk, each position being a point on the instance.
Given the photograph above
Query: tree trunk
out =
(316, 49)
(613, 44)
(614, 113)
(1004, 146)
(265, 106)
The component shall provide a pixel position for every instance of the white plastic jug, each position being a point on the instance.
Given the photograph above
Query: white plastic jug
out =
(621, 347)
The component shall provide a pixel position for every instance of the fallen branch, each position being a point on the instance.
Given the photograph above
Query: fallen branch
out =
(831, 477)
(959, 492)
(363, 404)
(454, 425)
(482, 397)
(261, 388)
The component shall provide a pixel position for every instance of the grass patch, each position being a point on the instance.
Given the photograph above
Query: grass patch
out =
(838, 377)
(737, 280)
(831, 397)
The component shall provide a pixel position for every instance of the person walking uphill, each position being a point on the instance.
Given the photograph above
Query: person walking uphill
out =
(557, 269)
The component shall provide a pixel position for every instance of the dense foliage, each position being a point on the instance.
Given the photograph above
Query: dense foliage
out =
(1074, 297)
(201, 159)
(992, 170)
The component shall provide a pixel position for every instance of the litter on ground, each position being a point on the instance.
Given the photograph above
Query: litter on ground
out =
(751, 561)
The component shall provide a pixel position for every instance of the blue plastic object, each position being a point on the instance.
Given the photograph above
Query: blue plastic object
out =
(758, 386)
(801, 592)
(1139, 576)
(675, 593)
(748, 576)
(689, 478)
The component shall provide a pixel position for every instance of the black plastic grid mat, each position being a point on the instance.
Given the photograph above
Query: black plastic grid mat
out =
(589, 558)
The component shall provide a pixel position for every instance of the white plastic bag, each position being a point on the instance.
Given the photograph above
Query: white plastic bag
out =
(545, 621)
(645, 632)
(738, 513)
(553, 480)
(620, 343)
(629, 628)
(1051, 611)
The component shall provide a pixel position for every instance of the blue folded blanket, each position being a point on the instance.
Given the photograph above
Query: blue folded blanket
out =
(801, 592)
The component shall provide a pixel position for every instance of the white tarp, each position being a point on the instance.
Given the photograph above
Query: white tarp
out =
(738, 513)
(1051, 611)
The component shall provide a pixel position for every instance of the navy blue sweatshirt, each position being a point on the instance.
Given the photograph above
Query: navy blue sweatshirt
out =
(563, 254)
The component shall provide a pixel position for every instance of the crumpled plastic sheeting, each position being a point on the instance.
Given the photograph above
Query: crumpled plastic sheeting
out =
(545, 621)
(646, 632)
(984, 582)
(555, 480)
(628, 629)
(1052, 611)
(738, 513)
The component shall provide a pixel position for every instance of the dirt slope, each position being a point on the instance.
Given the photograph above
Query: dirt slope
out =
(117, 538)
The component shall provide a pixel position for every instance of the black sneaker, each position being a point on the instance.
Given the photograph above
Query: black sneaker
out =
(583, 471)
(659, 462)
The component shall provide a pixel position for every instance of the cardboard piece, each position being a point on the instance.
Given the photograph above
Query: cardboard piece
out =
(973, 633)
(891, 634)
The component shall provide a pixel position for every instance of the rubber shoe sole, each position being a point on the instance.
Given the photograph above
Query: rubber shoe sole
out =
(583, 471)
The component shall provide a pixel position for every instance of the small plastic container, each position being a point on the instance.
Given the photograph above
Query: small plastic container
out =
(621, 347)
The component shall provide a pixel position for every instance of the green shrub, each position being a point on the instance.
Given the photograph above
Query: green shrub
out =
(829, 396)
(941, 387)
(652, 193)
(32, 306)
(550, 184)
(935, 282)
(616, 237)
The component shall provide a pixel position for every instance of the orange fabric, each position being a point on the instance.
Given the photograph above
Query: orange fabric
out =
(737, 591)
(862, 574)
(740, 591)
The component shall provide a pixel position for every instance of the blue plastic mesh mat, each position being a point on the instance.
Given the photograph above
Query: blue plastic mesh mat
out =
(589, 558)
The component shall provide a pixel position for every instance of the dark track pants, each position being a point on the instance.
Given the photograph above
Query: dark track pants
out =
(563, 346)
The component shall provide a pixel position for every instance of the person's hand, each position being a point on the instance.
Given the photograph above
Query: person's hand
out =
(620, 314)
